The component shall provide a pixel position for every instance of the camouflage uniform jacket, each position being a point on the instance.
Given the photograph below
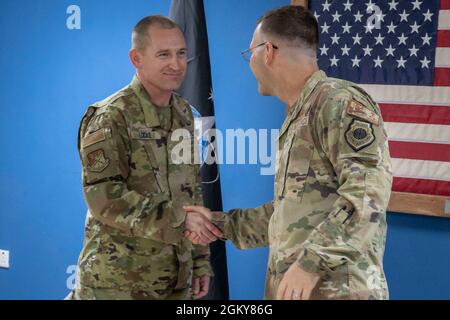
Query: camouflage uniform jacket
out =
(135, 192)
(332, 186)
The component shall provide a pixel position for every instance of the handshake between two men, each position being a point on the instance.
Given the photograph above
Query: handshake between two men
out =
(249, 231)
(198, 226)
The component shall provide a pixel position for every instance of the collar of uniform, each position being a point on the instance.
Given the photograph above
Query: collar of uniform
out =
(182, 113)
(151, 117)
(310, 85)
(308, 88)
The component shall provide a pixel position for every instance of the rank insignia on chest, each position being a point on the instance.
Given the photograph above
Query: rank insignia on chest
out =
(97, 162)
(145, 134)
(303, 121)
(359, 135)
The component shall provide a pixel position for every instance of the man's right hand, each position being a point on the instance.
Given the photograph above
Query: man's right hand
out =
(198, 225)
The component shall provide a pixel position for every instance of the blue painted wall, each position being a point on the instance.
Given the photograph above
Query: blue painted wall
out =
(51, 74)
(417, 259)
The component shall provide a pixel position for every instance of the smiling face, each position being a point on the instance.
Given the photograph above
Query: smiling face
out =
(162, 63)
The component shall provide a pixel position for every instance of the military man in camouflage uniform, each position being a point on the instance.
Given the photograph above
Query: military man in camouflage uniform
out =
(134, 186)
(326, 226)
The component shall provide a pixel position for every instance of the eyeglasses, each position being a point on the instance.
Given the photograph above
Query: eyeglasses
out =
(247, 54)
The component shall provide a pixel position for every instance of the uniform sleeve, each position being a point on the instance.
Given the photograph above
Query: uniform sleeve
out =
(200, 254)
(202, 265)
(358, 151)
(246, 228)
(104, 152)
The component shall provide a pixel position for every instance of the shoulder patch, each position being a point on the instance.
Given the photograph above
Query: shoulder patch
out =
(359, 135)
(97, 162)
(354, 108)
(93, 138)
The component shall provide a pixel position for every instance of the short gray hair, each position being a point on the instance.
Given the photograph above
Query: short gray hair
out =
(140, 36)
(293, 24)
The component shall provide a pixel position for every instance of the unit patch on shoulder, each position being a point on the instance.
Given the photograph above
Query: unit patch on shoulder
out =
(97, 162)
(359, 135)
(358, 110)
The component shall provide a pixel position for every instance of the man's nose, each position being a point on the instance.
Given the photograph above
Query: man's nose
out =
(176, 63)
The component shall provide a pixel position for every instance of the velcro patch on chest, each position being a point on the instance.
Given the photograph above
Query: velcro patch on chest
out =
(148, 134)
(145, 134)
(359, 135)
(97, 161)
(358, 110)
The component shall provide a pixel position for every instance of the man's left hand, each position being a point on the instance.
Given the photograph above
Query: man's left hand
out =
(200, 287)
(296, 284)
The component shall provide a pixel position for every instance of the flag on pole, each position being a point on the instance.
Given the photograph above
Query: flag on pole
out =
(197, 89)
(399, 52)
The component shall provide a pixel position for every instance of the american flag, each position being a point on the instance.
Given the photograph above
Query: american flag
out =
(399, 52)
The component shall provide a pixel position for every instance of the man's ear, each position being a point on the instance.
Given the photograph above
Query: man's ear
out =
(269, 53)
(135, 58)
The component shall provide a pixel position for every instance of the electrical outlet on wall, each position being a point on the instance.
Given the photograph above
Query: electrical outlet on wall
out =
(4, 259)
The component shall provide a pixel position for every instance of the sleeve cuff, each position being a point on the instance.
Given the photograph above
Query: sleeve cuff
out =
(202, 268)
(221, 220)
(311, 263)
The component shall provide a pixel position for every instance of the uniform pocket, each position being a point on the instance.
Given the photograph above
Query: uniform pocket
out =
(298, 156)
(144, 161)
(140, 263)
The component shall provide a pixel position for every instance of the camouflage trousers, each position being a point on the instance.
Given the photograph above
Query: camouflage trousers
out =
(86, 293)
